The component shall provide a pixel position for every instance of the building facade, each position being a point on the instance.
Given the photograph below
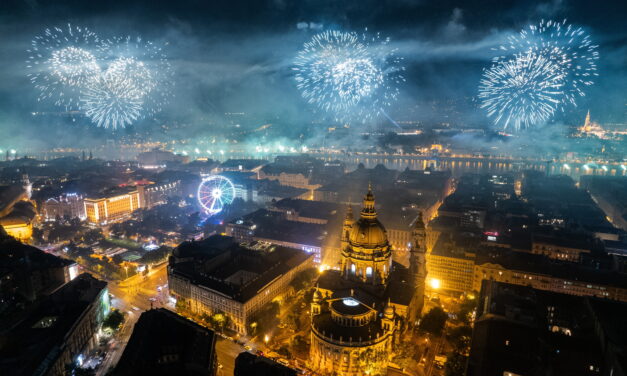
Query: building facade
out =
(460, 271)
(111, 208)
(559, 248)
(68, 205)
(236, 279)
(157, 194)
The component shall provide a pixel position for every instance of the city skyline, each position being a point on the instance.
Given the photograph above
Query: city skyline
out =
(313, 187)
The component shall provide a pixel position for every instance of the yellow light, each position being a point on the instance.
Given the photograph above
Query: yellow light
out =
(266, 338)
(435, 283)
(322, 267)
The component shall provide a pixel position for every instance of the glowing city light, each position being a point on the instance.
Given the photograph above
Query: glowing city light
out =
(435, 283)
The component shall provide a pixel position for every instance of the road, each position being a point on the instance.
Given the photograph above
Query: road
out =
(132, 297)
(227, 351)
(435, 348)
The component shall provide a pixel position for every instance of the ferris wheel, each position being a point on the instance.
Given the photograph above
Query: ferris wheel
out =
(214, 193)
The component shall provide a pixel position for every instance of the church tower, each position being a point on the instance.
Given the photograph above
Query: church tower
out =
(346, 227)
(417, 258)
(27, 185)
(366, 255)
(417, 269)
(586, 125)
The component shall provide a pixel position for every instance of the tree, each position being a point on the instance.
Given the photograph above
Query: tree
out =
(466, 308)
(220, 321)
(460, 337)
(308, 296)
(114, 320)
(304, 279)
(299, 346)
(266, 319)
(455, 364)
(433, 322)
(93, 236)
(405, 352)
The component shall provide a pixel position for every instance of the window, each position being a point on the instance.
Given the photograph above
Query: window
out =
(353, 268)
(369, 271)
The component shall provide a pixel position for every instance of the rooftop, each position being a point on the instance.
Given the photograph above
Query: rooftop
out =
(32, 346)
(214, 267)
(164, 343)
(307, 208)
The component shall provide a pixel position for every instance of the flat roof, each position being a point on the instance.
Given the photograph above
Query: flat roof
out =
(267, 264)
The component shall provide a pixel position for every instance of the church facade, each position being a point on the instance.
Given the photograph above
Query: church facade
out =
(359, 312)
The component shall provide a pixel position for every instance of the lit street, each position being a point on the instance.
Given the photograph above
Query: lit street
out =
(132, 297)
(227, 351)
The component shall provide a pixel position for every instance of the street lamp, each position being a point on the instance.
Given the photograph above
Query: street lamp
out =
(435, 283)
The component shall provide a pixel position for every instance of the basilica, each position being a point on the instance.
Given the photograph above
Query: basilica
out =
(360, 312)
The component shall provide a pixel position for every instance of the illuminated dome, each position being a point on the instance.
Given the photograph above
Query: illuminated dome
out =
(368, 233)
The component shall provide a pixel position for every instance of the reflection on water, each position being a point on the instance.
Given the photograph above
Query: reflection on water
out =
(463, 165)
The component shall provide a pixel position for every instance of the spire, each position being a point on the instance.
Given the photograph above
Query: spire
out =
(368, 210)
(349, 213)
(419, 224)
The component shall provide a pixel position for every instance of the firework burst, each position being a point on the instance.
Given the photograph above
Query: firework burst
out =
(60, 62)
(112, 100)
(523, 91)
(567, 46)
(140, 77)
(148, 63)
(348, 75)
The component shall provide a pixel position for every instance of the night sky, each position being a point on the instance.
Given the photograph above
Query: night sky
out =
(236, 56)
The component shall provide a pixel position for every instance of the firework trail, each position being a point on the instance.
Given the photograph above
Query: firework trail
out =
(567, 46)
(60, 61)
(348, 75)
(522, 92)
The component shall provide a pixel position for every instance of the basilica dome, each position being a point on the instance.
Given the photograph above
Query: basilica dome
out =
(368, 233)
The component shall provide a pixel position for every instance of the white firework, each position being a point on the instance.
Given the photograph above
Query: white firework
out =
(522, 92)
(60, 62)
(73, 66)
(567, 46)
(112, 100)
(348, 75)
(136, 72)
(150, 59)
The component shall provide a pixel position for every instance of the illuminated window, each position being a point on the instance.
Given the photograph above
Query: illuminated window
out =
(369, 271)
(353, 268)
